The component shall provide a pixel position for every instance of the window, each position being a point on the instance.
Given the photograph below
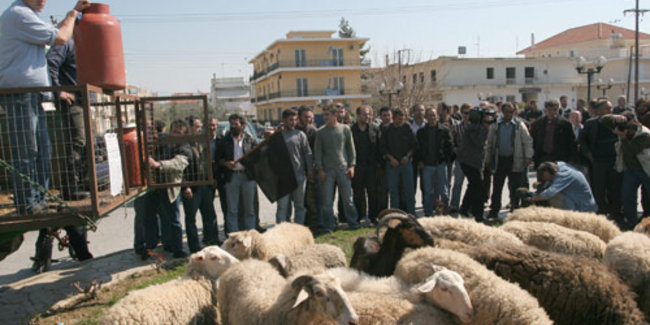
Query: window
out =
(301, 58)
(510, 98)
(489, 73)
(510, 75)
(279, 113)
(301, 87)
(421, 77)
(433, 76)
(415, 78)
(339, 85)
(338, 57)
(529, 74)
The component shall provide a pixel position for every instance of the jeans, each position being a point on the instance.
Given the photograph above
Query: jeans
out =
(459, 178)
(504, 169)
(339, 178)
(632, 179)
(202, 200)
(473, 199)
(240, 188)
(170, 222)
(364, 186)
(144, 205)
(283, 212)
(434, 181)
(74, 139)
(31, 150)
(400, 186)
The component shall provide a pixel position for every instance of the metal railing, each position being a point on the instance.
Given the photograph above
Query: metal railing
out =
(321, 62)
(310, 92)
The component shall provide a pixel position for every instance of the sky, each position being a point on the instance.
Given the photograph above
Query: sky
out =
(176, 46)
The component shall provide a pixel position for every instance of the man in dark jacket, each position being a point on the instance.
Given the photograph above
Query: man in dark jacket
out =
(364, 183)
(553, 137)
(433, 155)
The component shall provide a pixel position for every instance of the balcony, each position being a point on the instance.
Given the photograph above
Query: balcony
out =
(315, 63)
(511, 81)
(312, 92)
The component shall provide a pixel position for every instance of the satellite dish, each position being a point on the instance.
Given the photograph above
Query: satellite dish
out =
(462, 50)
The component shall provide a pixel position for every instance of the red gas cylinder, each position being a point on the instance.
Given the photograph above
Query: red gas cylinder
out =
(98, 49)
(131, 155)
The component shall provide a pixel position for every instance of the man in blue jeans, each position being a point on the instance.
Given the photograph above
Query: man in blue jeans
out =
(22, 64)
(335, 158)
(397, 146)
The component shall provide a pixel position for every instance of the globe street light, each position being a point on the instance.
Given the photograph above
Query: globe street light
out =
(590, 68)
(398, 89)
(605, 87)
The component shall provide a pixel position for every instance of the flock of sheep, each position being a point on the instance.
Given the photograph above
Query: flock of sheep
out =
(543, 266)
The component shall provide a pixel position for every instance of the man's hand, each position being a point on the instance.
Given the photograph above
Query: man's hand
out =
(230, 164)
(321, 175)
(528, 162)
(68, 97)
(393, 162)
(153, 163)
(82, 5)
(187, 193)
(404, 161)
(350, 172)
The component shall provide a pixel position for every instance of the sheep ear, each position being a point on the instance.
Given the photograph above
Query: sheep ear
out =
(302, 296)
(437, 268)
(198, 258)
(247, 241)
(426, 286)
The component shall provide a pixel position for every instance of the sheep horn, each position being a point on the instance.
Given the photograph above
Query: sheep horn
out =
(390, 211)
(387, 218)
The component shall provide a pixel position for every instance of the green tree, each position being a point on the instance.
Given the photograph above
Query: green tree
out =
(346, 31)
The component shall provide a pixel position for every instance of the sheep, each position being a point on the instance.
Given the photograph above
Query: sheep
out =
(374, 308)
(443, 289)
(253, 292)
(643, 226)
(310, 259)
(467, 231)
(573, 290)
(554, 238)
(584, 221)
(379, 258)
(495, 300)
(284, 238)
(190, 299)
(628, 255)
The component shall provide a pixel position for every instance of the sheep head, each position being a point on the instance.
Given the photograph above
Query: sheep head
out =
(210, 262)
(240, 244)
(324, 298)
(365, 248)
(445, 288)
(411, 231)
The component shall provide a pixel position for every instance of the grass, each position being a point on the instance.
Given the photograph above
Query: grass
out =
(344, 239)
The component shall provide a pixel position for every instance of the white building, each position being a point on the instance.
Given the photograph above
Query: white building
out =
(231, 94)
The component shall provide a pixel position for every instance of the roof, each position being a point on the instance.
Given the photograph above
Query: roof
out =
(308, 39)
(581, 34)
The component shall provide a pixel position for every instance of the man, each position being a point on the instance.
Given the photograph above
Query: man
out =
(433, 154)
(634, 142)
(385, 120)
(581, 107)
(344, 116)
(306, 124)
(622, 105)
(397, 147)
(168, 166)
(364, 183)
(418, 121)
(570, 183)
(217, 169)
(553, 138)
(510, 152)
(240, 185)
(312, 205)
(445, 118)
(575, 118)
(301, 160)
(22, 64)
(598, 145)
(334, 155)
(199, 198)
(531, 114)
(564, 109)
(459, 177)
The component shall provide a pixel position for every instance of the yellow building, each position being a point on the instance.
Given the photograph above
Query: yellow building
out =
(307, 68)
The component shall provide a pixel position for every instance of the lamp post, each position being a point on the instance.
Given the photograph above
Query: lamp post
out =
(398, 89)
(590, 68)
(605, 87)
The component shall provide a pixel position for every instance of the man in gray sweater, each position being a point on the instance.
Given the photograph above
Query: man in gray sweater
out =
(335, 160)
(301, 159)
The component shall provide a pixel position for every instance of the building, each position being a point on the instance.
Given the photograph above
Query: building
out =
(231, 95)
(306, 68)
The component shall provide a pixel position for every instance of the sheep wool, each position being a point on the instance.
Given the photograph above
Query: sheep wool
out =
(495, 300)
(572, 290)
(467, 231)
(628, 255)
(374, 308)
(553, 238)
(310, 259)
(584, 221)
(643, 226)
(284, 238)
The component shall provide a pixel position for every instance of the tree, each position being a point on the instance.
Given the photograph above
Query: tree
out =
(345, 31)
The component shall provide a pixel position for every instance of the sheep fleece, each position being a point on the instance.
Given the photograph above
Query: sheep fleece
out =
(315, 258)
(467, 231)
(551, 237)
(496, 301)
(284, 238)
(585, 221)
(373, 308)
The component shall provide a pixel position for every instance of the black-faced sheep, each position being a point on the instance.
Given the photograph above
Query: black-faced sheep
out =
(572, 290)
(190, 299)
(584, 221)
(467, 231)
(284, 238)
(628, 255)
(311, 259)
(253, 292)
(495, 300)
(379, 258)
(554, 238)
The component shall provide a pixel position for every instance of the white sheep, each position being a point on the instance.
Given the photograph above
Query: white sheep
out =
(628, 255)
(310, 259)
(190, 299)
(555, 238)
(443, 289)
(643, 226)
(284, 238)
(584, 221)
(253, 292)
(495, 300)
(467, 231)
(374, 308)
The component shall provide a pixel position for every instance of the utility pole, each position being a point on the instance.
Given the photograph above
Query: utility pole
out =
(399, 70)
(636, 11)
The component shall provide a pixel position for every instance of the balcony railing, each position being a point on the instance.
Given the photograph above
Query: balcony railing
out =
(530, 80)
(325, 62)
(309, 92)
(511, 81)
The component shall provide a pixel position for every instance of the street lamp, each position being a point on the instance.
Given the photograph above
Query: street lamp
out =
(590, 68)
(398, 89)
(605, 87)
